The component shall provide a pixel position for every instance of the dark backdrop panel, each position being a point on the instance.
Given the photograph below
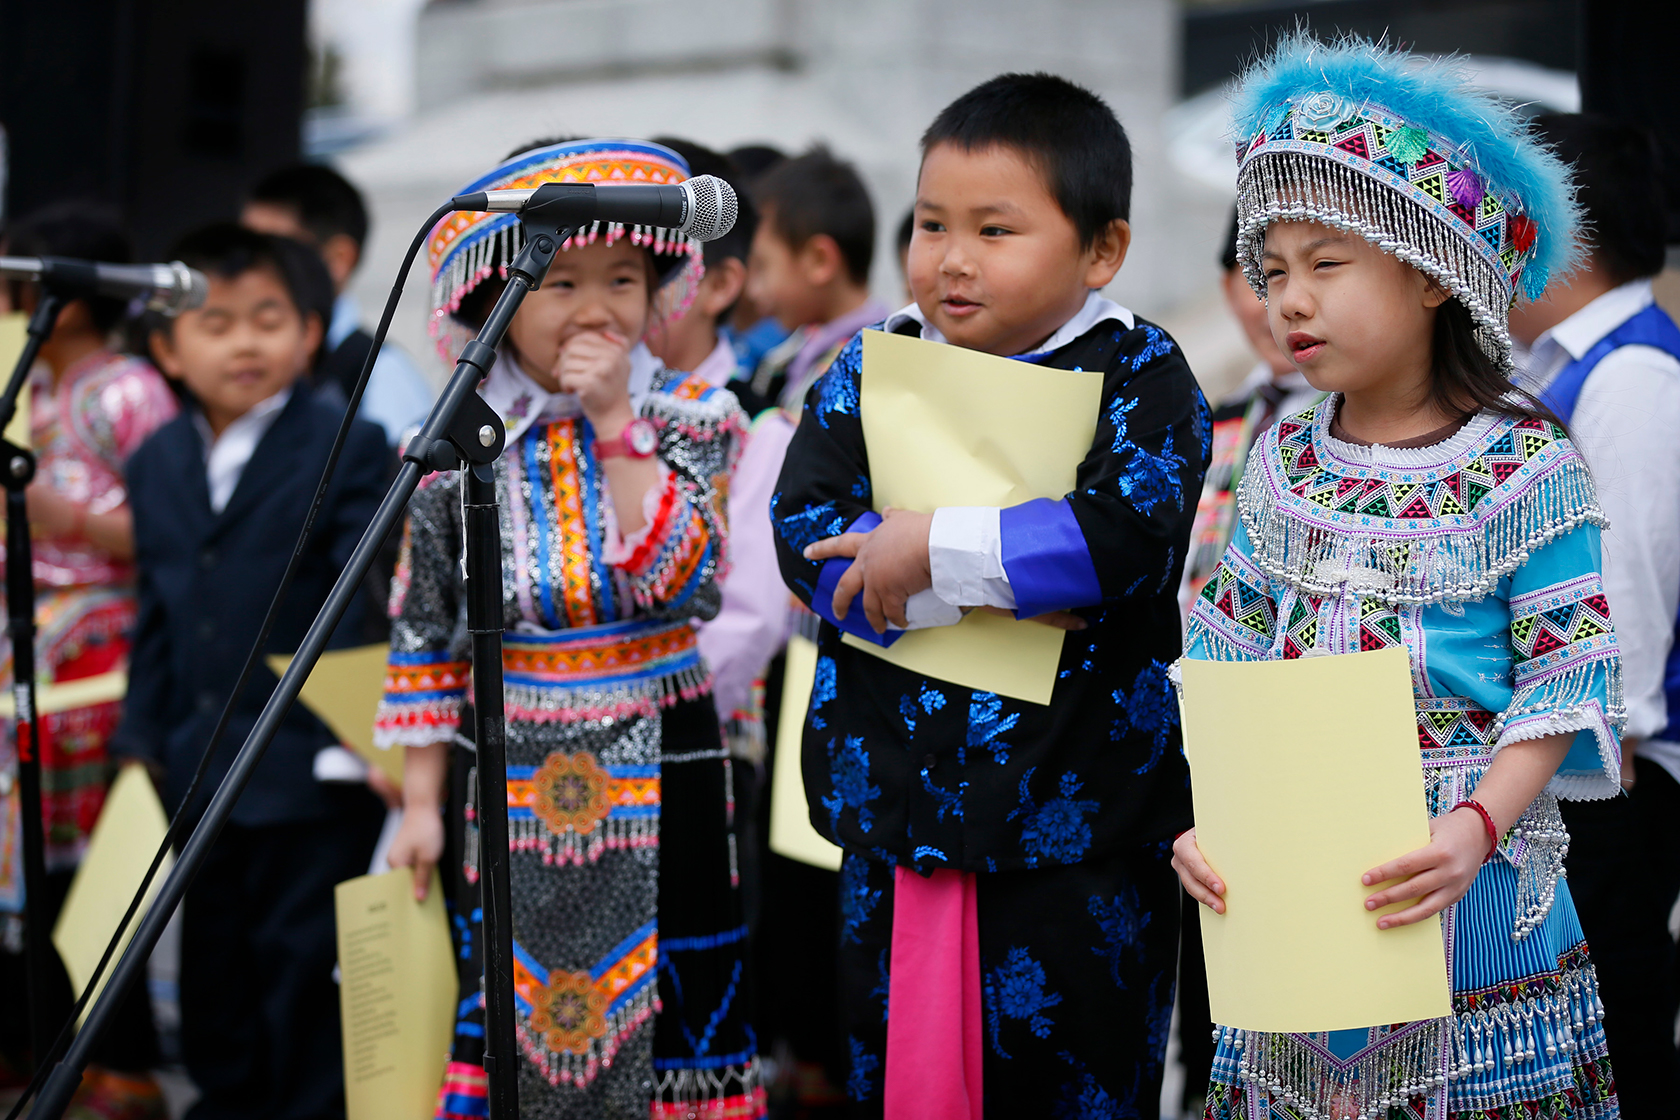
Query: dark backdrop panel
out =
(1220, 41)
(1628, 70)
(166, 109)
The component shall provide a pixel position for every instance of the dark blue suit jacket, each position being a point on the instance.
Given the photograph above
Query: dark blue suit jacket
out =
(205, 584)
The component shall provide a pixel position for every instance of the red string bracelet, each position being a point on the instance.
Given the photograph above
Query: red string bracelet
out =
(1487, 822)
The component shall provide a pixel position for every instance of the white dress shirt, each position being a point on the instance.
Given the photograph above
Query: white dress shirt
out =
(1627, 424)
(965, 544)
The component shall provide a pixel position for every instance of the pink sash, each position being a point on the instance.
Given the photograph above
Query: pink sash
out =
(933, 999)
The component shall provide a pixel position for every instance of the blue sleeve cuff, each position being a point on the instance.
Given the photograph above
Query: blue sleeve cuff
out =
(1046, 558)
(855, 622)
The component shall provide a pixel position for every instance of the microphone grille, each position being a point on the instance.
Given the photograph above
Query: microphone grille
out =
(712, 208)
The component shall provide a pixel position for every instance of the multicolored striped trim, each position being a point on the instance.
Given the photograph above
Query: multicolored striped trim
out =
(424, 692)
(465, 1094)
(620, 670)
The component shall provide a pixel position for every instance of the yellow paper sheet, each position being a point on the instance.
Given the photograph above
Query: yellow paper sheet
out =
(791, 834)
(13, 332)
(343, 691)
(397, 994)
(952, 427)
(50, 698)
(127, 835)
(1305, 775)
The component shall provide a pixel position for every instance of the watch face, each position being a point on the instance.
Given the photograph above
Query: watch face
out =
(641, 438)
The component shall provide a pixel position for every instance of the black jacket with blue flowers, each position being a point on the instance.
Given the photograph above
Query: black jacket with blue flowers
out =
(929, 774)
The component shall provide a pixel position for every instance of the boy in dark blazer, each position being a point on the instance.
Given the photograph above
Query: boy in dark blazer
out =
(219, 495)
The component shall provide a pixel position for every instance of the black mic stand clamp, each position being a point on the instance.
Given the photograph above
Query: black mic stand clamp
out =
(462, 433)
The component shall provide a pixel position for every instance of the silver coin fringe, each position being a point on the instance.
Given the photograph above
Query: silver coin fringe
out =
(578, 1070)
(492, 252)
(1281, 1067)
(1512, 1050)
(620, 700)
(1448, 565)
(575, 848)
(707, 1088)
(1298, 187)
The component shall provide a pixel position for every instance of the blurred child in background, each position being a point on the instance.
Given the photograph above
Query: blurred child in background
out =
(316, 205)
(219, 496)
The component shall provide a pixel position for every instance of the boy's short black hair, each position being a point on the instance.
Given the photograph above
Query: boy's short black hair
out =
(85, 231)
(755, 159)
(1067, 131)
(703, 161)
(227, 250)
(818, 194)
(327, 204)
(1618, 179)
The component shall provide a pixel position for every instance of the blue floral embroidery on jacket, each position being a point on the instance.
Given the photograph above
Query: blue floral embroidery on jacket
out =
(932, 699)
(927, 851)
(1086, 1099)
(1055, 832)
(1151, 709)
(809, 525)
(1203, 426)
(1015, 990)
(986, 722)
(849, 766)
(1152, 479)
(859, 1087)
(1121, 920)
(1117, 416)
(857, 901)
(883, 982)
(823, 689)
(861, 489)
(837, 391)
(945, 801)
(907, 712)
(1156, 344)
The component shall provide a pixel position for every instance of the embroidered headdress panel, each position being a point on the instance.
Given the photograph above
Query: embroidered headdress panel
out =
(1406, 153)
(466, 248)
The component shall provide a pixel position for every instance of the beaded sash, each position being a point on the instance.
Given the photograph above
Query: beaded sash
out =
(614, 671)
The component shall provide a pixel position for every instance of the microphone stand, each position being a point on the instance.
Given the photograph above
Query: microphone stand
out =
(17, 472)
(461, 433)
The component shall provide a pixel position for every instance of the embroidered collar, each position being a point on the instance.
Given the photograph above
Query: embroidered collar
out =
(1097, 308)
(1433, 524)
(521, 402)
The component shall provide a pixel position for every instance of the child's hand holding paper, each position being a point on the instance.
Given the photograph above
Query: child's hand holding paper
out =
(889, 564)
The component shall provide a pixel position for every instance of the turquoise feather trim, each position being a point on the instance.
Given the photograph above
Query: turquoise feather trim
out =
(1436, 96)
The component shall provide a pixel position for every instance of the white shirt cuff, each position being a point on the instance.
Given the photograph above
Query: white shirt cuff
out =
(338, 764)
(925, 609)
(965, 554)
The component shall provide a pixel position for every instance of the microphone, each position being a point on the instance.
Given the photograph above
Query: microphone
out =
(703, 207)
(170, 288)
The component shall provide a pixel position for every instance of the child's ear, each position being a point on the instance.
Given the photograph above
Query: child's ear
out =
(313, 332)
(1108, 253)
(161, 343)
(1433, 294)
(727, 281)
(821, 259)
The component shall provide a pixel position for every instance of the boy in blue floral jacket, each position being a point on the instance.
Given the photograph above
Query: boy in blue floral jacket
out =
(1007, 890)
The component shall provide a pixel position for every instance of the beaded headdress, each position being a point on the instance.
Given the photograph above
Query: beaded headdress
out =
(1406, 153)
(466, 248)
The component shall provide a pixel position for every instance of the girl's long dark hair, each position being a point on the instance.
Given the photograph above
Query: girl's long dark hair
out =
(1466, 380)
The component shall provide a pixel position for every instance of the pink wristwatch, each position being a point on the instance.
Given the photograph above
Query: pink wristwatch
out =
(638, 440)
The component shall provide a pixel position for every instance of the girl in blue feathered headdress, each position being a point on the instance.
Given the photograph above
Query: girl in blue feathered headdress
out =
(1389, 215)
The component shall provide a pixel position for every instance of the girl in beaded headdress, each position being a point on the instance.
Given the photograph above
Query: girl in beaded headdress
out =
(1388, 215)
(629, 943)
